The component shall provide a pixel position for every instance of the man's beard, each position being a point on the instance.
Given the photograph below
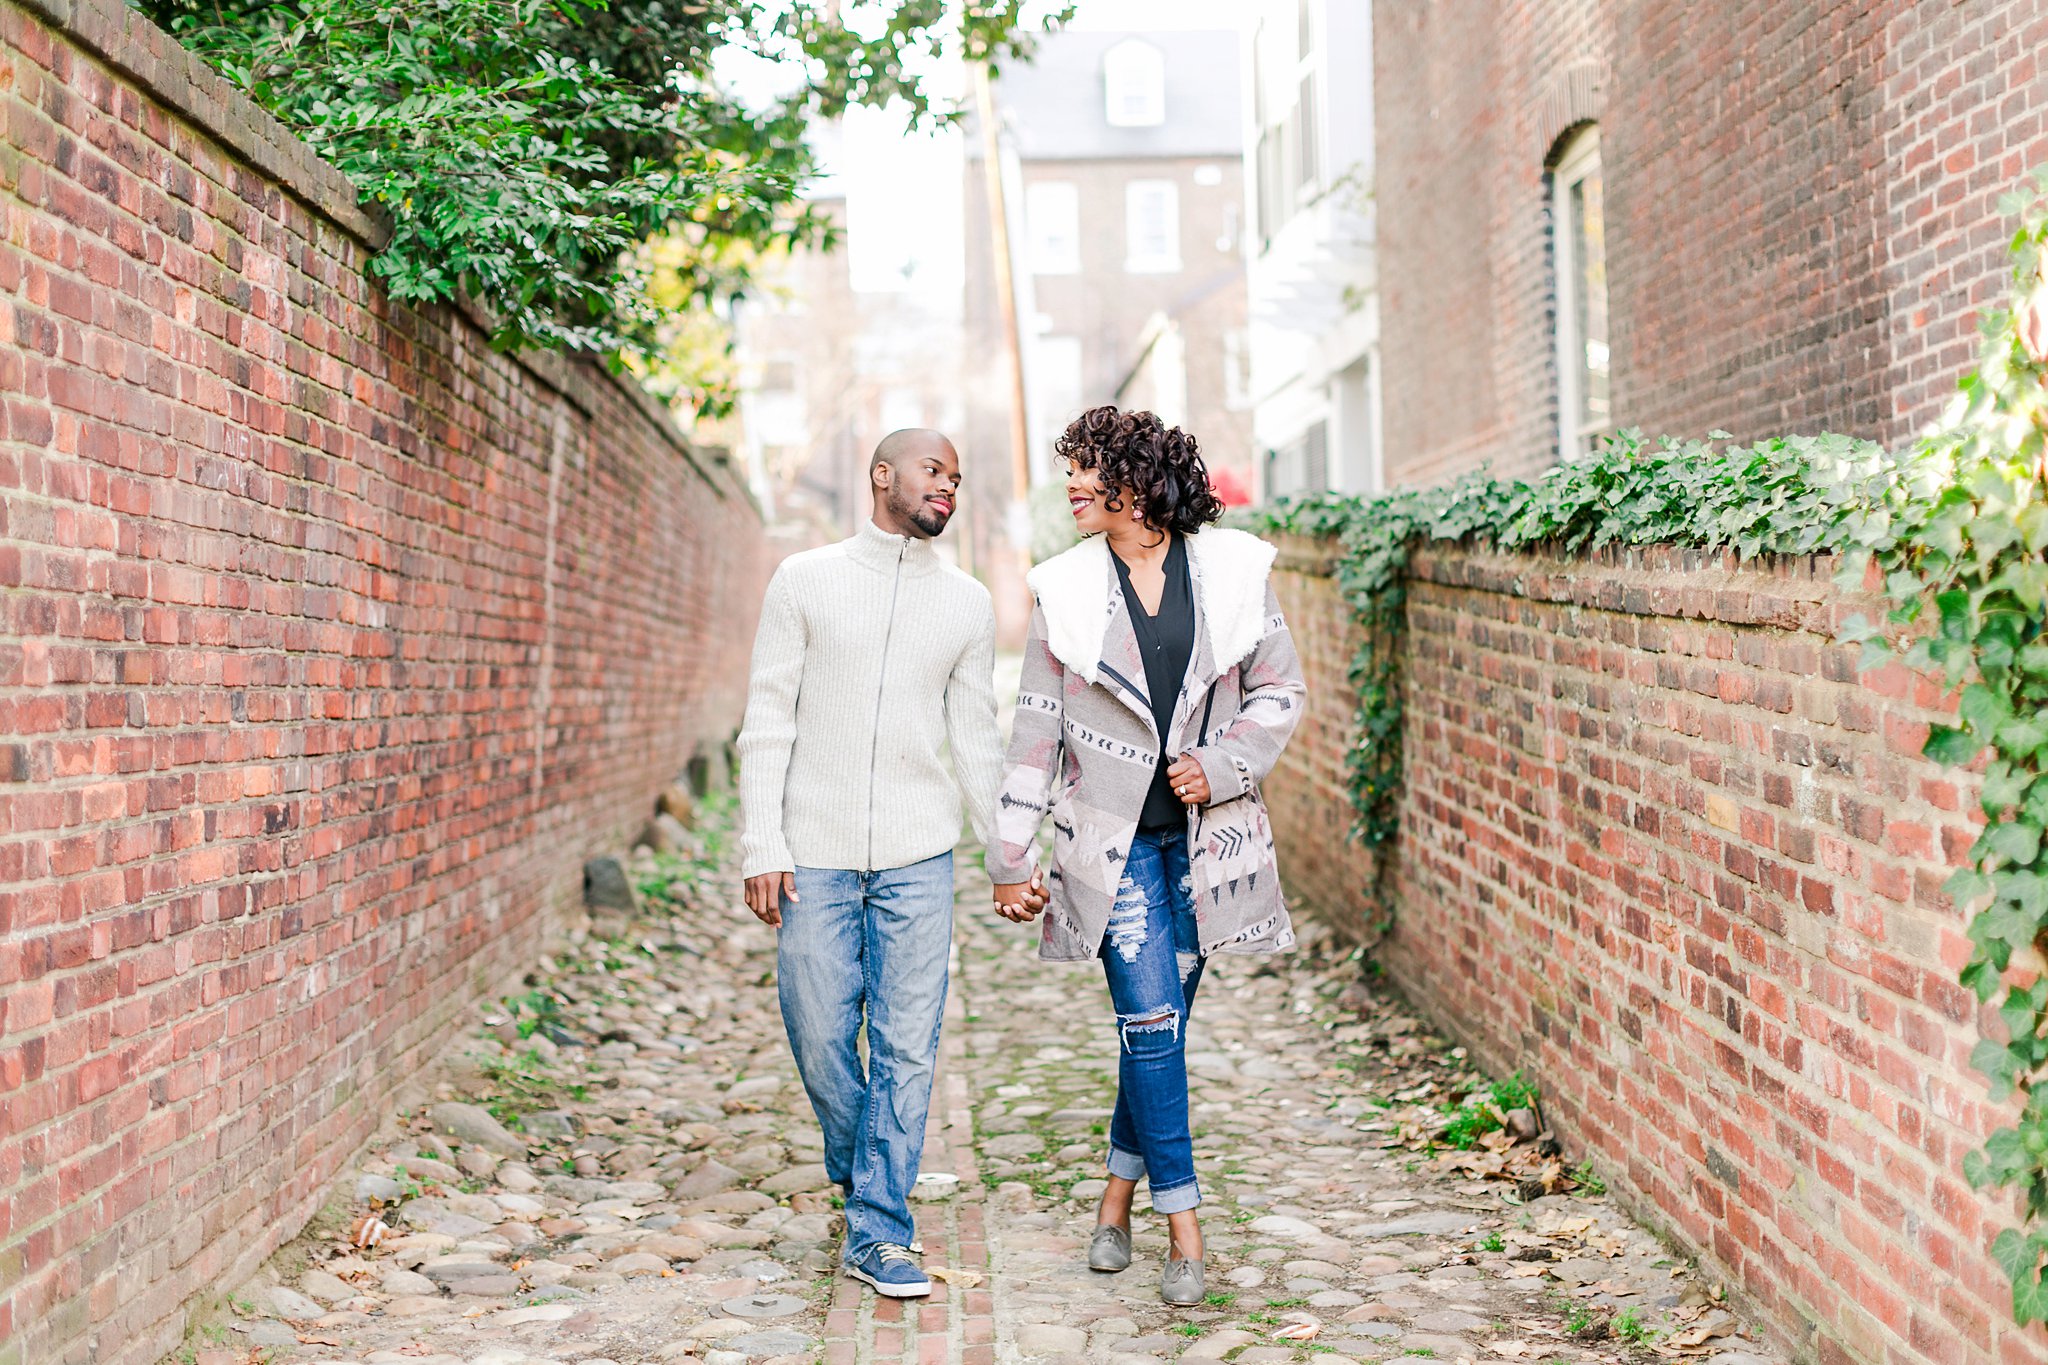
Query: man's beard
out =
(920, 514)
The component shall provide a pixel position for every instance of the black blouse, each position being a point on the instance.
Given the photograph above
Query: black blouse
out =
(1167, 642)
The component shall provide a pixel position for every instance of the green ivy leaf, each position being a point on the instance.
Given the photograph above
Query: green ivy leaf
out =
(1983, 708)
(2012, 841)
(2019, 1256)
(1948, 745)
(2004, 786)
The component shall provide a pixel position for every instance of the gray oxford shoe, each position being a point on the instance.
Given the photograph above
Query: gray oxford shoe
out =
(1182, 1285)
(1110, 1248)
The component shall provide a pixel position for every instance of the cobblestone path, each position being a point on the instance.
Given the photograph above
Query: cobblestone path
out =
(663, 1198)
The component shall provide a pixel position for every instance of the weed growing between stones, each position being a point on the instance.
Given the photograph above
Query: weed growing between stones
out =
(1629, 1326)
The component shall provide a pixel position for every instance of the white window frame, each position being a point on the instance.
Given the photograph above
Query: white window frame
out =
(1052, 216)
(1579, 160)
(1134, 85)
(1139, 257)
(1288, 156)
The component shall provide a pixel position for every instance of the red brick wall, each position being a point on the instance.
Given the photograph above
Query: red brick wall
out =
(1326, 873)
(331, 643)
(1800, 210)
(1665, 848)
(1966, 117)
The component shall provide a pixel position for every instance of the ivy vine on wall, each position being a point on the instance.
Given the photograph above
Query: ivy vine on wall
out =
(1958, 525)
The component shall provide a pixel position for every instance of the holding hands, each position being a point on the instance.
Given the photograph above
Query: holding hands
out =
(1020, 902)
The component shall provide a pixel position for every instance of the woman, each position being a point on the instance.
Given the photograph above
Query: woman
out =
(1159, 686)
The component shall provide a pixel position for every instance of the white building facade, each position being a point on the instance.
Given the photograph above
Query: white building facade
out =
(1312, 307)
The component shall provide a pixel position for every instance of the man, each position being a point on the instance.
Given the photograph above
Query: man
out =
(872, 654)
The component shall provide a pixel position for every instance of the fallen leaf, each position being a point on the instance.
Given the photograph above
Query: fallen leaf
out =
(1697, 1339)
(315, 1339)
(1298, 1331)
(966, 1279)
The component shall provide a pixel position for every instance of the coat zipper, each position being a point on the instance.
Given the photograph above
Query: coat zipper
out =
(881, 681)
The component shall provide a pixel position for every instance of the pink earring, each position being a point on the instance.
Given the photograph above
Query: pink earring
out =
(1137, 515)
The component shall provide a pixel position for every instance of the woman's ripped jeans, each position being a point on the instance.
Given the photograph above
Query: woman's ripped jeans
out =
(1152, 959)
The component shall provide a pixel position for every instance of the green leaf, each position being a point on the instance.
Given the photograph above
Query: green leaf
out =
(2004, 786)
(2023, 736)
(2019, 1256)
(1951, 746)
(1996, 1061)
(1983, 708)
(2012, 841)
(1967, 885)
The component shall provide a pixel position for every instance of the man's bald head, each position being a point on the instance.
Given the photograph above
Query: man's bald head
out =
(901, 447)
(915, 477)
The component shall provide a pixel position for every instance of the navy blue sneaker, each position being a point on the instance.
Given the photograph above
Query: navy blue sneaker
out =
(892, 1270)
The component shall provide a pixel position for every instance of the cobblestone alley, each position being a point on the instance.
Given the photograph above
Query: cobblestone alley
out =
(664, 1199)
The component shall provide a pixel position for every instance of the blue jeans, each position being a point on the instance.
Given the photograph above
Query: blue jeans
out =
(868, 948)
(1152, 958)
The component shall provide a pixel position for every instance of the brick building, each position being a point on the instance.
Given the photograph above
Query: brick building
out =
(1760, 216)
(1126, 205)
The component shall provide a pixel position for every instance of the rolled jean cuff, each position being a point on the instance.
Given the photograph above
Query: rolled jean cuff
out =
(1178, 1199)
(1126, 1165)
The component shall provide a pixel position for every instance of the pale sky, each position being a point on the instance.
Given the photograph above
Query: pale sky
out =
(903, 190)
(1162, 15)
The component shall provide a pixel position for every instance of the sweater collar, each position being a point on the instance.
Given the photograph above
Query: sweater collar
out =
(1078, 591)
(884, 550)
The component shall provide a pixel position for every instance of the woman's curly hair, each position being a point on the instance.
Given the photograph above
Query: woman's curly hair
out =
(1161, 465)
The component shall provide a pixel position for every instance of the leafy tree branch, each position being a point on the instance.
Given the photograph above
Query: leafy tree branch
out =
(524, 149)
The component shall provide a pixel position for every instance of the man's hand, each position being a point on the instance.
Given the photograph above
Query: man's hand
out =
(1020, 902)
(765, 893)
(1190, 783)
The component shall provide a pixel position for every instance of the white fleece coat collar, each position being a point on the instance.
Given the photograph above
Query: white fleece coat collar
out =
(1227, 569)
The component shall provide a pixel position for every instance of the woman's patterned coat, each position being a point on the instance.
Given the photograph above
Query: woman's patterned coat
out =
(1085, 744)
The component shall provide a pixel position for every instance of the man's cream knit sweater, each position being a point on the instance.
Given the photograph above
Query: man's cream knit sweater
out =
(872, 655)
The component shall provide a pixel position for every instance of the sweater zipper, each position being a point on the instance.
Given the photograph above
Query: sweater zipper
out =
(881, 681)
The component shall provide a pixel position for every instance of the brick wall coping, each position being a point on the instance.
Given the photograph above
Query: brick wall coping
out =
(1788, 592)
(183, 81)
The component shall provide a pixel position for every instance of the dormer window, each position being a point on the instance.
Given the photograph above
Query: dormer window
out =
(1134, 85)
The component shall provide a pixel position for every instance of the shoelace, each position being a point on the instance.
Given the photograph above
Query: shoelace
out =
(891, 1251)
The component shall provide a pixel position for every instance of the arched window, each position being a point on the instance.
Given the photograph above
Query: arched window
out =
(1134, 85)
(1579, 231)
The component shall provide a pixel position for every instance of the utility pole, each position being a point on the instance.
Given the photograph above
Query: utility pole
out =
(1005, 281)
